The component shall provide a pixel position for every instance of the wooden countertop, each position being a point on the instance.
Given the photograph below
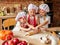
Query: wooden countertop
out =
(11, 16)
(54, 29)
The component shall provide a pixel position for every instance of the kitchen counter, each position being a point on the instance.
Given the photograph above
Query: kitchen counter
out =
(34, 41)
(54, 29)
(30, 40)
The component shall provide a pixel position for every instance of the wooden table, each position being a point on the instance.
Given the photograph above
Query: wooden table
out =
(37, 42)
(54, 29)
(30, 40)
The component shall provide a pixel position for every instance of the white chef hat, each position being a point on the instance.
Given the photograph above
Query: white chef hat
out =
(32, 6)
(36, 8)
(44, 7)
(19, 15)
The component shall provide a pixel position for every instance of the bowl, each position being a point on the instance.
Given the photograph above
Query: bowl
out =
(58, 33)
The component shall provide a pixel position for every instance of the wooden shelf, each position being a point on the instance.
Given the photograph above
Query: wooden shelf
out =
(4, 17)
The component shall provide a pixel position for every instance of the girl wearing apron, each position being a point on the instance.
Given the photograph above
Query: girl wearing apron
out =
(21, 22)
(32, 17)
(44, 18)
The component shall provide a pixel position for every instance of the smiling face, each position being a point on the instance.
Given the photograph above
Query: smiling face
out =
(32, 12)
(42, 12)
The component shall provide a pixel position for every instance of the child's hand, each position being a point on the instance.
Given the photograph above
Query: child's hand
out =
(36, 27)
(28, 29)
(44, 29)
(32, 27)
(30, 33)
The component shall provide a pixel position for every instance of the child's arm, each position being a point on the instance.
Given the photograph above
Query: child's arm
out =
(30, 26)
(25, 29)
(40, 25)
(47, 21)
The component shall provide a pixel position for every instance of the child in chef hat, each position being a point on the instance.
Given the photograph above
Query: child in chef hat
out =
(32, 17)
(44, 18)
(21, 22)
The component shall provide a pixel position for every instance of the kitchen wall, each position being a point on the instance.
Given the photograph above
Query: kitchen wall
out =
(14, 5)
(56, 15)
